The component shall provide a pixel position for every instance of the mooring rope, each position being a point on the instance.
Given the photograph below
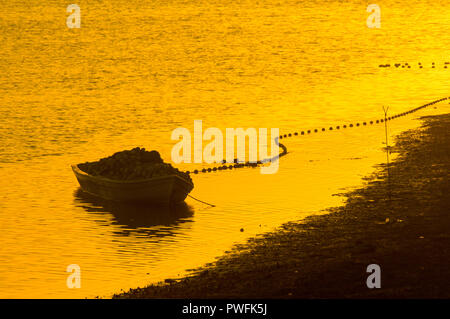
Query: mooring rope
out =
(198, 200)
(299, 133)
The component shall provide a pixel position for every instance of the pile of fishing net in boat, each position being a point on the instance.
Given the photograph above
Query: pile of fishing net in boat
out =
(132, 164)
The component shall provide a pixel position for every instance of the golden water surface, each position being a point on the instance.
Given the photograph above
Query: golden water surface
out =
(136, 70)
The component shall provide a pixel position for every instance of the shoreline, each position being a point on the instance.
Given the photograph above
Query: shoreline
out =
(401, 224)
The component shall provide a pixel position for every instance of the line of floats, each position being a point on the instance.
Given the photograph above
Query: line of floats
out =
(306, 132)
(408, 66)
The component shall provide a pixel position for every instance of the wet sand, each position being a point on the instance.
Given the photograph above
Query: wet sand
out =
(401, 223)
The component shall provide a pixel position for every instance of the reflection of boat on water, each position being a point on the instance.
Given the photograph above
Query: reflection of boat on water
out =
(140, 217)
(161, 189)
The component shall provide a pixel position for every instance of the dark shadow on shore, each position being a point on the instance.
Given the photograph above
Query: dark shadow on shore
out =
(139, 218)
(326, 256)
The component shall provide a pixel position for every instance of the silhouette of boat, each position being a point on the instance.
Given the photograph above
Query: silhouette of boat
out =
(160, 190)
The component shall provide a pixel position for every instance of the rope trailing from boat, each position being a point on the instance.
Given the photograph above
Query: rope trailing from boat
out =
(331, 128)
(198, 200)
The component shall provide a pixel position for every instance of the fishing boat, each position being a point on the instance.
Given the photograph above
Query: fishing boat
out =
(158, 190)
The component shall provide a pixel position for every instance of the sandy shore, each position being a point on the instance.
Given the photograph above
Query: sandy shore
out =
(401, 223)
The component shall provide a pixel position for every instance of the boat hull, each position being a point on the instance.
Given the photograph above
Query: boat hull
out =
(161, 190)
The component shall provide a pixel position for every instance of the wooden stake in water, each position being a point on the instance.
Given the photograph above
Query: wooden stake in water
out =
(386, 109)
(386, 133)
